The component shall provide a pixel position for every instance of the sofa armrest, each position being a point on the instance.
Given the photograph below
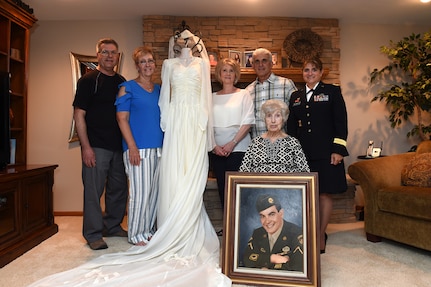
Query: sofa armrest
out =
(374, 174)
(379, 172)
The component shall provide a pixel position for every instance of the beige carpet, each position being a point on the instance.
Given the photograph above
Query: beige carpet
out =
(350, 260)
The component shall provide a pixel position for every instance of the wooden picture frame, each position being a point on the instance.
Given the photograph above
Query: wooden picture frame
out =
(237, 56)
(213, 58)
(82, 64)
(276, 59)
(248, 59)
(298, 196)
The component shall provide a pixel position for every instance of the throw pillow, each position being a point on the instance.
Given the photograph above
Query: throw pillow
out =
(417, 172)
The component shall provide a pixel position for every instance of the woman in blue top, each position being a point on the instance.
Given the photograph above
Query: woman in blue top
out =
(138, 116)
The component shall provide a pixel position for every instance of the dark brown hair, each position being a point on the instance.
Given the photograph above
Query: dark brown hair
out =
(315, 62)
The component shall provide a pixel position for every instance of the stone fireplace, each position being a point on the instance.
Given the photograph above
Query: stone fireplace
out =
(224, 34)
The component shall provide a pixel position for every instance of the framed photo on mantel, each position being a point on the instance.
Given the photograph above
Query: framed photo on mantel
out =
(237, 56)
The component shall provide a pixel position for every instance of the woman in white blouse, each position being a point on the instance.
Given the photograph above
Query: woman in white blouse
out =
(233, 113)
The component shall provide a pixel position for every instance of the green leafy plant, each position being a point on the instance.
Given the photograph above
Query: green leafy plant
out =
(409, 92)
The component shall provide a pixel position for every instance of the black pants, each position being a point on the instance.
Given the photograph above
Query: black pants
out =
(220, 165)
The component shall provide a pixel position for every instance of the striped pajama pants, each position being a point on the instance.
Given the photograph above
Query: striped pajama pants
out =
(143, 194)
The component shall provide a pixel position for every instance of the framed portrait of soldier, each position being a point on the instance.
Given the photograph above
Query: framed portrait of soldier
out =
(270, 229)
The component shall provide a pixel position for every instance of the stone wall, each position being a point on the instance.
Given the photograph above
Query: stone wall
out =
(221, 34)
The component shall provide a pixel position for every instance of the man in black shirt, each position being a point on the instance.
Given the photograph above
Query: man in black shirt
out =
(101, 147)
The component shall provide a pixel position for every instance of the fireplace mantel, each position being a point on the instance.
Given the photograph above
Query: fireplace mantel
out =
(248, 75)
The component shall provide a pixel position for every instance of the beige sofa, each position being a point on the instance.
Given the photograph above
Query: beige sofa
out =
(393, 210)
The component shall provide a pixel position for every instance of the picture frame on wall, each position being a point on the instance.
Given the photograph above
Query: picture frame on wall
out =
(82, 64)
(237, 56)
(248, 59)
(252, 197)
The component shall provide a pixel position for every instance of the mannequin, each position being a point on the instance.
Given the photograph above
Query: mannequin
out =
(188, 40)
(186, 34)
(186, 56)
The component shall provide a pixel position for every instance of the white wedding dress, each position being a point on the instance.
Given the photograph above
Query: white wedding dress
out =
(185, 249)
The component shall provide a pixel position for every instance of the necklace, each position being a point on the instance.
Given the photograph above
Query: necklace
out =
(148, 86)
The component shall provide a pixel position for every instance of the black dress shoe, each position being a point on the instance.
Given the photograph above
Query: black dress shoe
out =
(220, 232)
(98, 244)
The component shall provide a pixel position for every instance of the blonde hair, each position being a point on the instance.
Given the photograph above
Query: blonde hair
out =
(142, 51)
(231, 62)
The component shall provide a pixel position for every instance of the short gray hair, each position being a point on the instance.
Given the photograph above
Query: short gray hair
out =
(262, 51)
(273, 105)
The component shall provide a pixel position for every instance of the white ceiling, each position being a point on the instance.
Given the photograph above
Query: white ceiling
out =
(405, 12)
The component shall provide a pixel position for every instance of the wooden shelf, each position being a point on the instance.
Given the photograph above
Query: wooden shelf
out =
(295, 74)
(15, 24)
(26, 200)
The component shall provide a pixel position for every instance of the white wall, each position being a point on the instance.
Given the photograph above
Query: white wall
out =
(360, 54)
(50, 95)
(50, 92)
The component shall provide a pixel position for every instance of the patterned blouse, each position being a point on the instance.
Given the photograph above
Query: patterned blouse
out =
(282, 156)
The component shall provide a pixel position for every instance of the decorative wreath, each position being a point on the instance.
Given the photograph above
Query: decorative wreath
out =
(303, 44)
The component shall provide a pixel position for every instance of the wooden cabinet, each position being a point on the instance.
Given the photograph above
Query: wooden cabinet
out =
(26, 209)
(15, 23)
(26, 201)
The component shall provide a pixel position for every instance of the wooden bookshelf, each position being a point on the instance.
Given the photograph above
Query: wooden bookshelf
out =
(15, 23)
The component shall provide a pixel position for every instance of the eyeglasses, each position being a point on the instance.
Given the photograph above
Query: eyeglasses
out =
(144, 62)
(106, 53)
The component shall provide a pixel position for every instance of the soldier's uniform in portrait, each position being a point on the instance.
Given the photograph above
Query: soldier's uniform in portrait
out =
(289, 243)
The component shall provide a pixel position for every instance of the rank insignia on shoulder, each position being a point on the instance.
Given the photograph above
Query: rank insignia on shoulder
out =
(298, 249)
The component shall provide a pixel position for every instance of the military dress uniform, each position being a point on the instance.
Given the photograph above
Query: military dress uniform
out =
(289, 243)
(320, 125)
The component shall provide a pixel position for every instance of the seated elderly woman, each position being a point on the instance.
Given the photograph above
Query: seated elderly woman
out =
(274, 151)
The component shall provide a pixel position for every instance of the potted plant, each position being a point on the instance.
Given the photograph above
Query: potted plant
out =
(407, 82)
